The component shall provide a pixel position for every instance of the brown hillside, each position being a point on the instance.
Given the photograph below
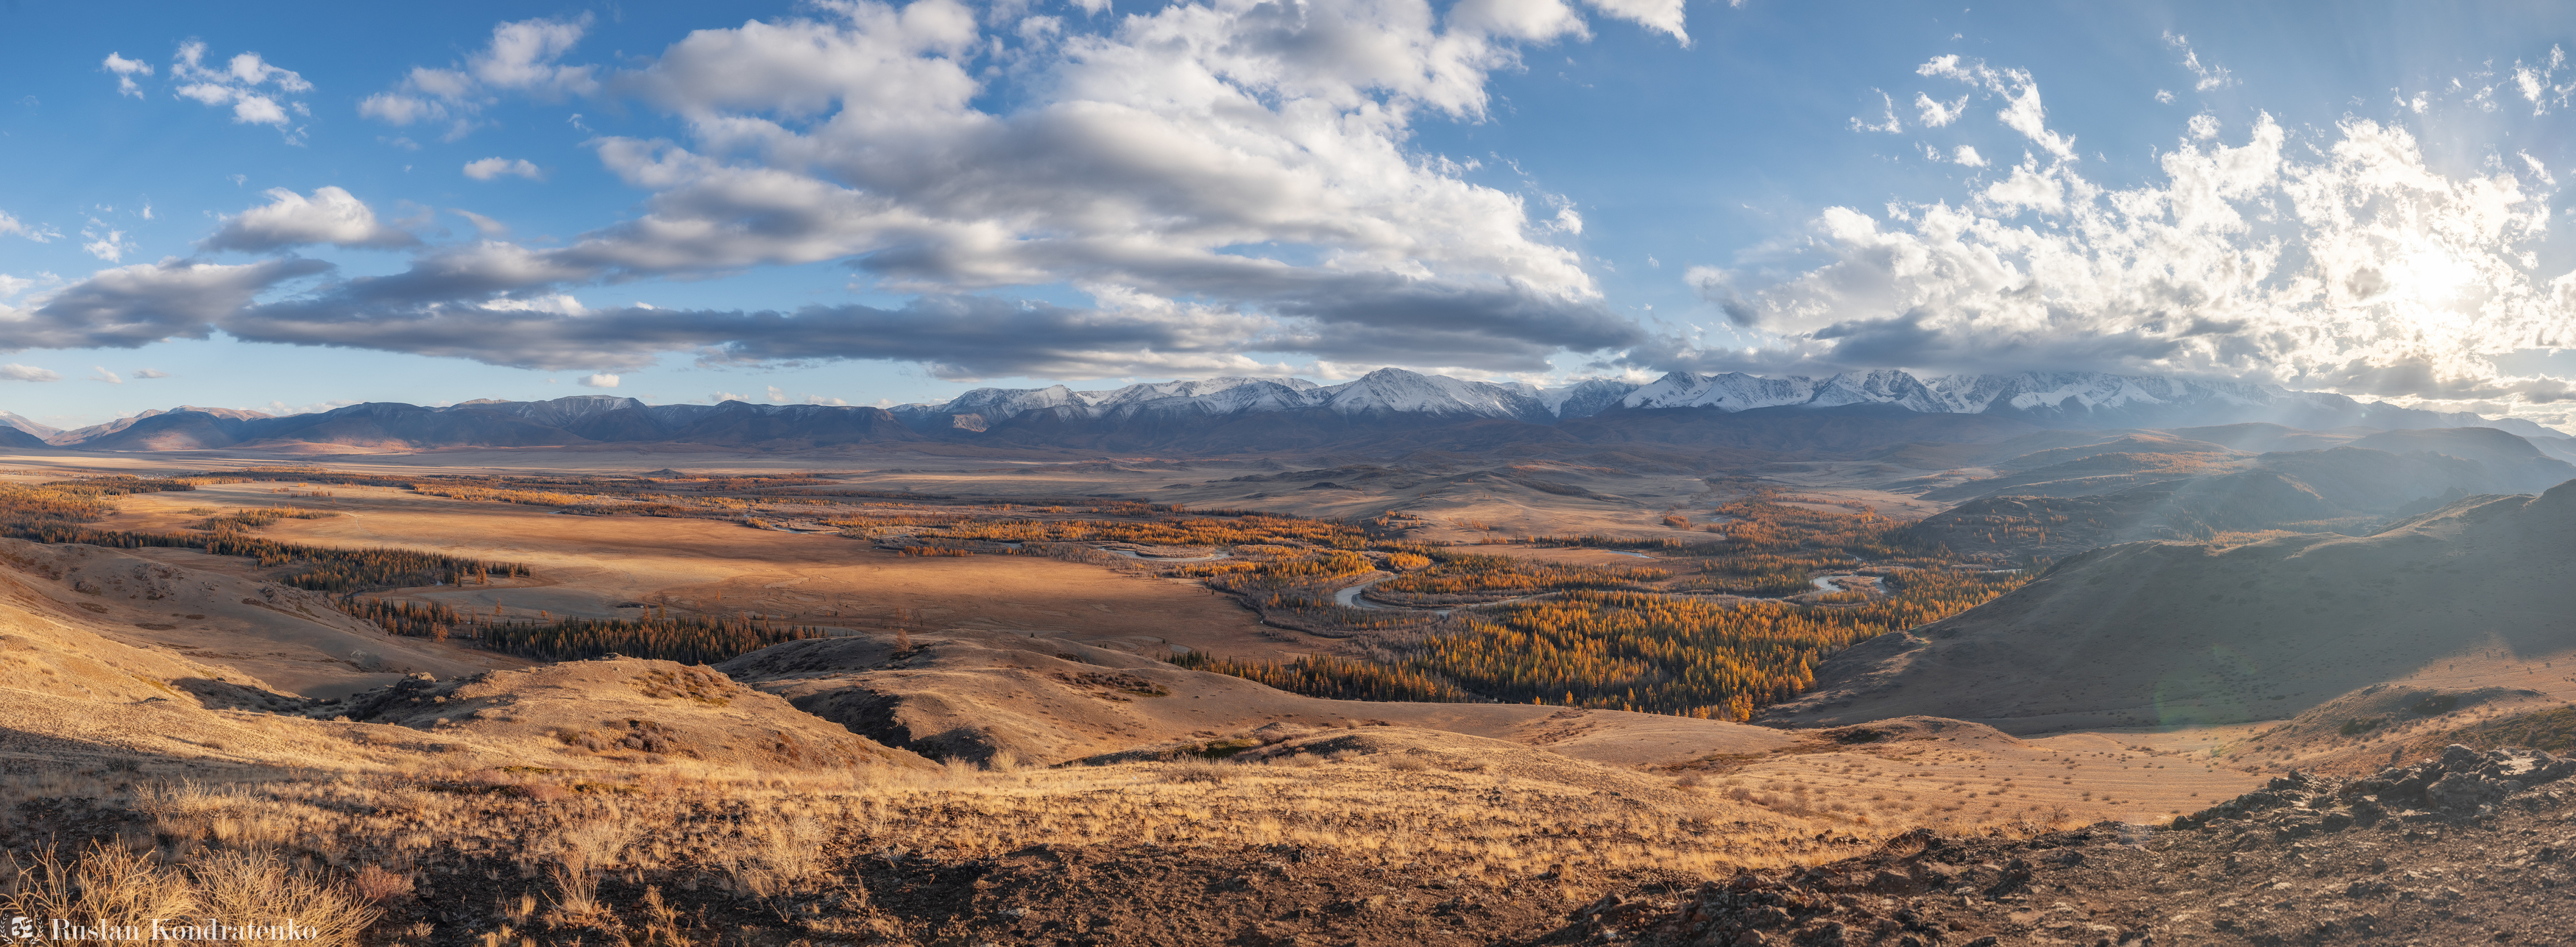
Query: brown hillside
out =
(2164, 634)
(987, 696)
(291, 639)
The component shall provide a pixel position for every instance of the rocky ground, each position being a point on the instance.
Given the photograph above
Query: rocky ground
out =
(2471, 848)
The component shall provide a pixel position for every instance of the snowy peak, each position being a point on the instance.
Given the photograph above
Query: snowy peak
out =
(2049, 399)
(1396, 391)
(1583, 399)
(559, 411)
(1884, 386)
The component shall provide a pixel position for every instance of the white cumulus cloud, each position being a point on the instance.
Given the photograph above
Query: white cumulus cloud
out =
(485, 169)
(332, 215)
(125, 70)
(599, 380)
(521, 57)
(100, 373)
(260, 92)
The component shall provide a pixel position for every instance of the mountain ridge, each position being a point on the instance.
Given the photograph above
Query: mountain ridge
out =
(2047, 399)
(1263, 414)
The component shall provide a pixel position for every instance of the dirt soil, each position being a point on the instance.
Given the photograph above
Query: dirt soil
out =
(1924, 770)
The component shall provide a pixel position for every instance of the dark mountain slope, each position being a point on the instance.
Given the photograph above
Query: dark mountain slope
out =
(172, 430)
(393, 424)
(2163, 634)
(1852, 430)
(576, 420)
(738, 424)
(2514, 463)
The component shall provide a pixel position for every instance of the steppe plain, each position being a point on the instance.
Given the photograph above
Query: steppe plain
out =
(500, 801)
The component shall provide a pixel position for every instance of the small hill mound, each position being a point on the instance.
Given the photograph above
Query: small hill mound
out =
(990, 697)
(2376, 726)
(615, 711)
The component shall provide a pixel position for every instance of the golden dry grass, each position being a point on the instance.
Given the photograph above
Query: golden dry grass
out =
(108, 892)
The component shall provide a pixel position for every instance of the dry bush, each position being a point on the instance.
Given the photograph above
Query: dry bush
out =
(1403, 763)
(258, 888)
(113, 887)
(581, 851)
(378, 885)
(1197, 771)
(662, 926)
(107, 887)
(775, 856)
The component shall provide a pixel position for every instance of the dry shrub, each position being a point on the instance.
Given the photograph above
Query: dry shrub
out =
(378, 885)
(106, 886)
(775, 856)
(1690, 780)
(580, 852)
(258, 888)
(1407, 764)
(193, 810)
(1197, 771)
(662, 927)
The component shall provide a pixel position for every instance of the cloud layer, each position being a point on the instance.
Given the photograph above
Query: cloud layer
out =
(2344, 262)
(1222, 186)
(1218, 178)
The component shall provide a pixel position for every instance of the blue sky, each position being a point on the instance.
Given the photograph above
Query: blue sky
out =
(865, 203)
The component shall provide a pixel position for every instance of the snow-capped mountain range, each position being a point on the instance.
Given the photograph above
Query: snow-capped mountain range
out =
(2052, 399)
(1262, 413)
